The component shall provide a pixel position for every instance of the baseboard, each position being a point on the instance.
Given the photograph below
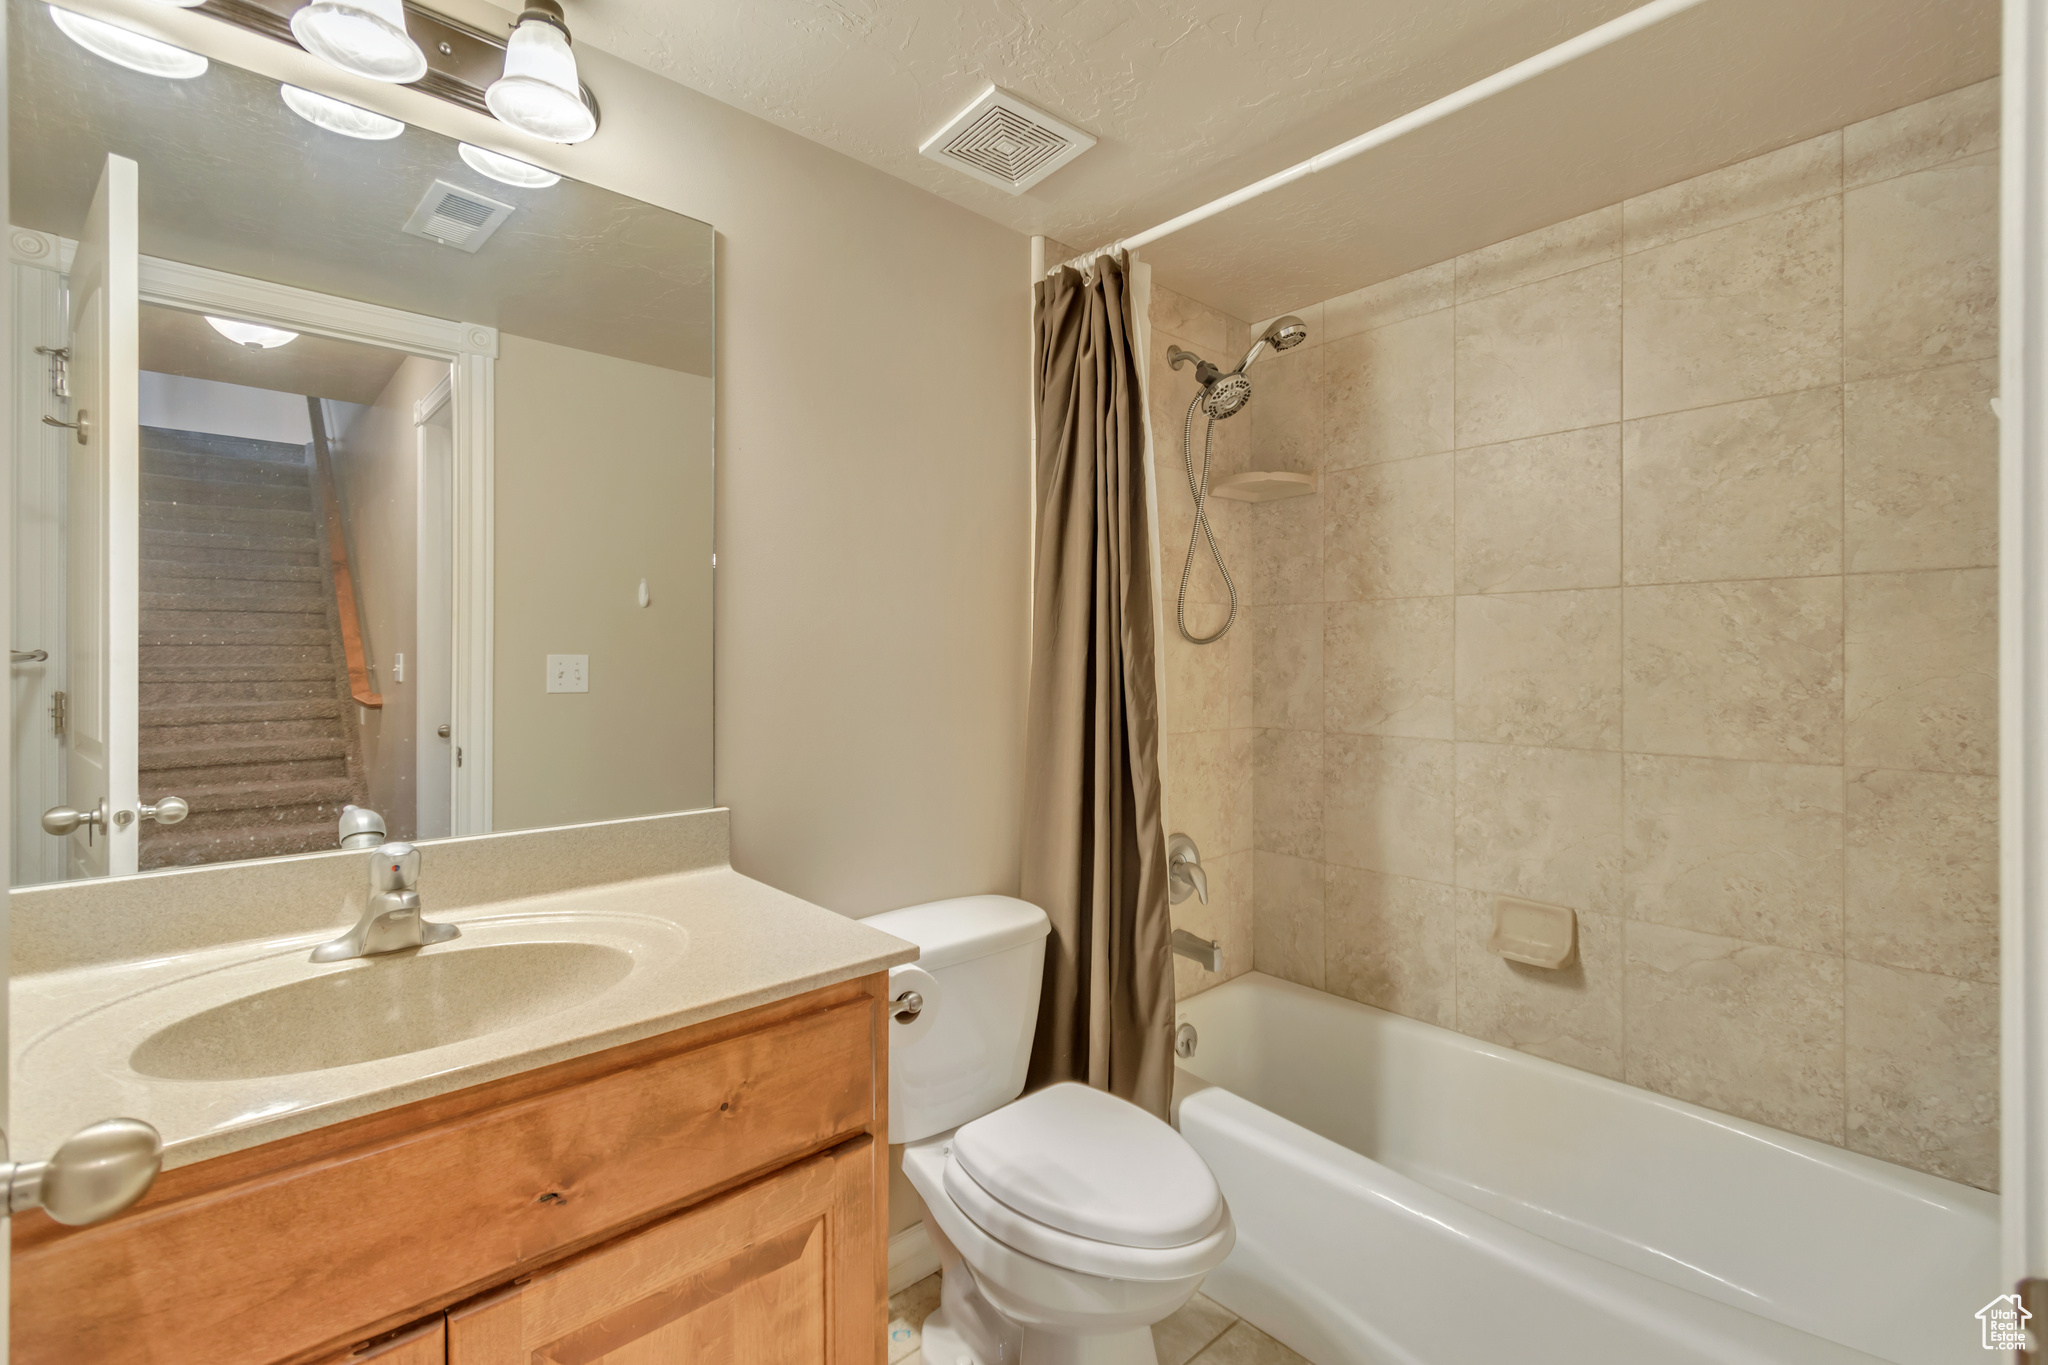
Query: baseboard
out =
(911, 1257)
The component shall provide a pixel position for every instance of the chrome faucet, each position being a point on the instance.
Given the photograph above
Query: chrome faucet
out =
(391, 922)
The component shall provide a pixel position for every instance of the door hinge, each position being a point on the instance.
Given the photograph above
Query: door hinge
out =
(60, 369)
(59, 712)
(458, 755)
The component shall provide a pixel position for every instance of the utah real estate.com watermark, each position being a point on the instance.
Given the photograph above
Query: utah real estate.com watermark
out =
(2005, 1324)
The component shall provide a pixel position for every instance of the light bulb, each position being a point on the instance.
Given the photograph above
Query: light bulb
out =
(538, 93)
(251, 334)
(124, 47)
(507, 170)
(336, 116)
(363, 37)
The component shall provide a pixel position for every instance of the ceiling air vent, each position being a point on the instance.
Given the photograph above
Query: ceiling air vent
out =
(455, 217)
(1002, 141)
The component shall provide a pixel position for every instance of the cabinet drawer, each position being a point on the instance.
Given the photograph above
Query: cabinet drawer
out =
(779, 1272)
(314, 1255)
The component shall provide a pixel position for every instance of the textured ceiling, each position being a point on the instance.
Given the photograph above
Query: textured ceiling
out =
(181, 343)
(231, 179)
(1194, 98)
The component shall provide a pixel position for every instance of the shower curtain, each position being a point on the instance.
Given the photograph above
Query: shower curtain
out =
(1094, 847)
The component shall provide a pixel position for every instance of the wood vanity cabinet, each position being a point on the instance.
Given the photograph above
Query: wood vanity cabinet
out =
(713, 1194)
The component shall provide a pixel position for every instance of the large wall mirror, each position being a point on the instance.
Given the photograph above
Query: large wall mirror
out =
(347, 471)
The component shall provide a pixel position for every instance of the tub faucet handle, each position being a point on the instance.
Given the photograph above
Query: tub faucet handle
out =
(1184, 873)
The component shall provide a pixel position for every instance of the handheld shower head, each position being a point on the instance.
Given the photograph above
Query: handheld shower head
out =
(1284, 335)
(1223, 395)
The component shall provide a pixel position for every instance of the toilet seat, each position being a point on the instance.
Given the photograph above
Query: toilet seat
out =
(1080, 1179)
(1082, 1161)
(1055, 1247)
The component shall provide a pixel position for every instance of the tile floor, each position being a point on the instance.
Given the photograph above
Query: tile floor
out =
(1203, 1331)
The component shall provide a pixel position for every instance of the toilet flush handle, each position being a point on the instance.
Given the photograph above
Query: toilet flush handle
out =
(913, 1004)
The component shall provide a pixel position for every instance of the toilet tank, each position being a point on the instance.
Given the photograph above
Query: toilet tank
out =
(966, 1054)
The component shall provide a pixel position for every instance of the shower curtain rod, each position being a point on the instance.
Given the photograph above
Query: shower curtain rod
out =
(1592, 40)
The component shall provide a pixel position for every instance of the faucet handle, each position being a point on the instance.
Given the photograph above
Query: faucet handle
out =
(394, 867)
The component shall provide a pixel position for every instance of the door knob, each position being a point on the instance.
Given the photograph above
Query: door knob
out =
(95, 1174)
(168, 810)
(63, 819)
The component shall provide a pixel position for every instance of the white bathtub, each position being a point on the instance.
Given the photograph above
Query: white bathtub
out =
(1406, 1194)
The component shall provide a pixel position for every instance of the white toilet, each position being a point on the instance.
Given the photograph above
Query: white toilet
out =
(1066, 1223)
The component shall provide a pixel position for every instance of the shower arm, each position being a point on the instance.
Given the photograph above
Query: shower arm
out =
(1205, 373)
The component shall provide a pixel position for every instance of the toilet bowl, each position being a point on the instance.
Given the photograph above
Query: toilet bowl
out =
(1068, 1222)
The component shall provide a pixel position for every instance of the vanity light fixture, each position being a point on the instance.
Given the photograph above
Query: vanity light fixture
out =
(363, 37)
(125, 47)
(507, 170)
(539, 93)
(338, 116)
(251, 334)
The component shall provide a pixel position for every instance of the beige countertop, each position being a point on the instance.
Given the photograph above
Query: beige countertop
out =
(700, 944)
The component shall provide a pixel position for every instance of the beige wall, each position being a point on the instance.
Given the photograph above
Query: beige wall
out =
(1652, 573)
(602, 477)
(376, 476)
(873, 477)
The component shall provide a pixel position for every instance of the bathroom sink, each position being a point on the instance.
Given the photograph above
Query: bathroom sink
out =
(380, 1007)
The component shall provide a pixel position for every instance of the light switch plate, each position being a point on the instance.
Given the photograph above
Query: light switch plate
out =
(568, 672)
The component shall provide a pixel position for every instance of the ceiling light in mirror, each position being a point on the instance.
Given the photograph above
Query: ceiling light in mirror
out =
(337, 116)
(539, 92)
(251, 334)
(363, 37)
(508, 170)
(123, 47)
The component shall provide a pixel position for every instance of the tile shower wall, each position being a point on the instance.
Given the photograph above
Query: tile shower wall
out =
(1206, 698)
(1652, 573)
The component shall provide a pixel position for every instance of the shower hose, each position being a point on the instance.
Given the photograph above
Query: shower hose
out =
(1199, 486)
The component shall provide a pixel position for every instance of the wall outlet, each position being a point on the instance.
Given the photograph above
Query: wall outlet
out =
(568, 672)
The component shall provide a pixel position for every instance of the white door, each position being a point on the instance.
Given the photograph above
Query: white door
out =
(103, 516)
(434, 636)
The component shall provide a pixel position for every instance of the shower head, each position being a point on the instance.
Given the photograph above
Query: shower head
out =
(1223, 395)
(1284, 335)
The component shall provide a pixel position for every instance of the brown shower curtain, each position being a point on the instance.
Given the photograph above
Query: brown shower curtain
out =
(1094, 846)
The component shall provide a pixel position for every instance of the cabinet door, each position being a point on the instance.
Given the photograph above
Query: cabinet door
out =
(779, 1272)
(425, 1344)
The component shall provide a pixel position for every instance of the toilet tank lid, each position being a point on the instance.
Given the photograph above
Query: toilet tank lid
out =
(960, 930)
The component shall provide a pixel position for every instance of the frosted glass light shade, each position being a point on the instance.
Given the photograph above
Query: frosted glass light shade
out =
(124, 47)
(251, 333)
(338, 116)
(538, 93)
(365, 37)
(183, 4)
(507, 170)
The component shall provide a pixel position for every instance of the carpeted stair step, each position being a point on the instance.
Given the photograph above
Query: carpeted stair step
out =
(250, 637)
(171, 575)
(234, 732)
(189, 516)
(265, 751)
(219, 775)
(210, 693)
(254, 542)
(291, 602)
(217, 493)
(180, 847)
(240, 712)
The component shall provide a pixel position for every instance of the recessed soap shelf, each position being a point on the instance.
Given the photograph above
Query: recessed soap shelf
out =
(1263, 485)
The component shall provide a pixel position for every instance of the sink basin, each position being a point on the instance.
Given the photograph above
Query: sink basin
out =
(381, 1007)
